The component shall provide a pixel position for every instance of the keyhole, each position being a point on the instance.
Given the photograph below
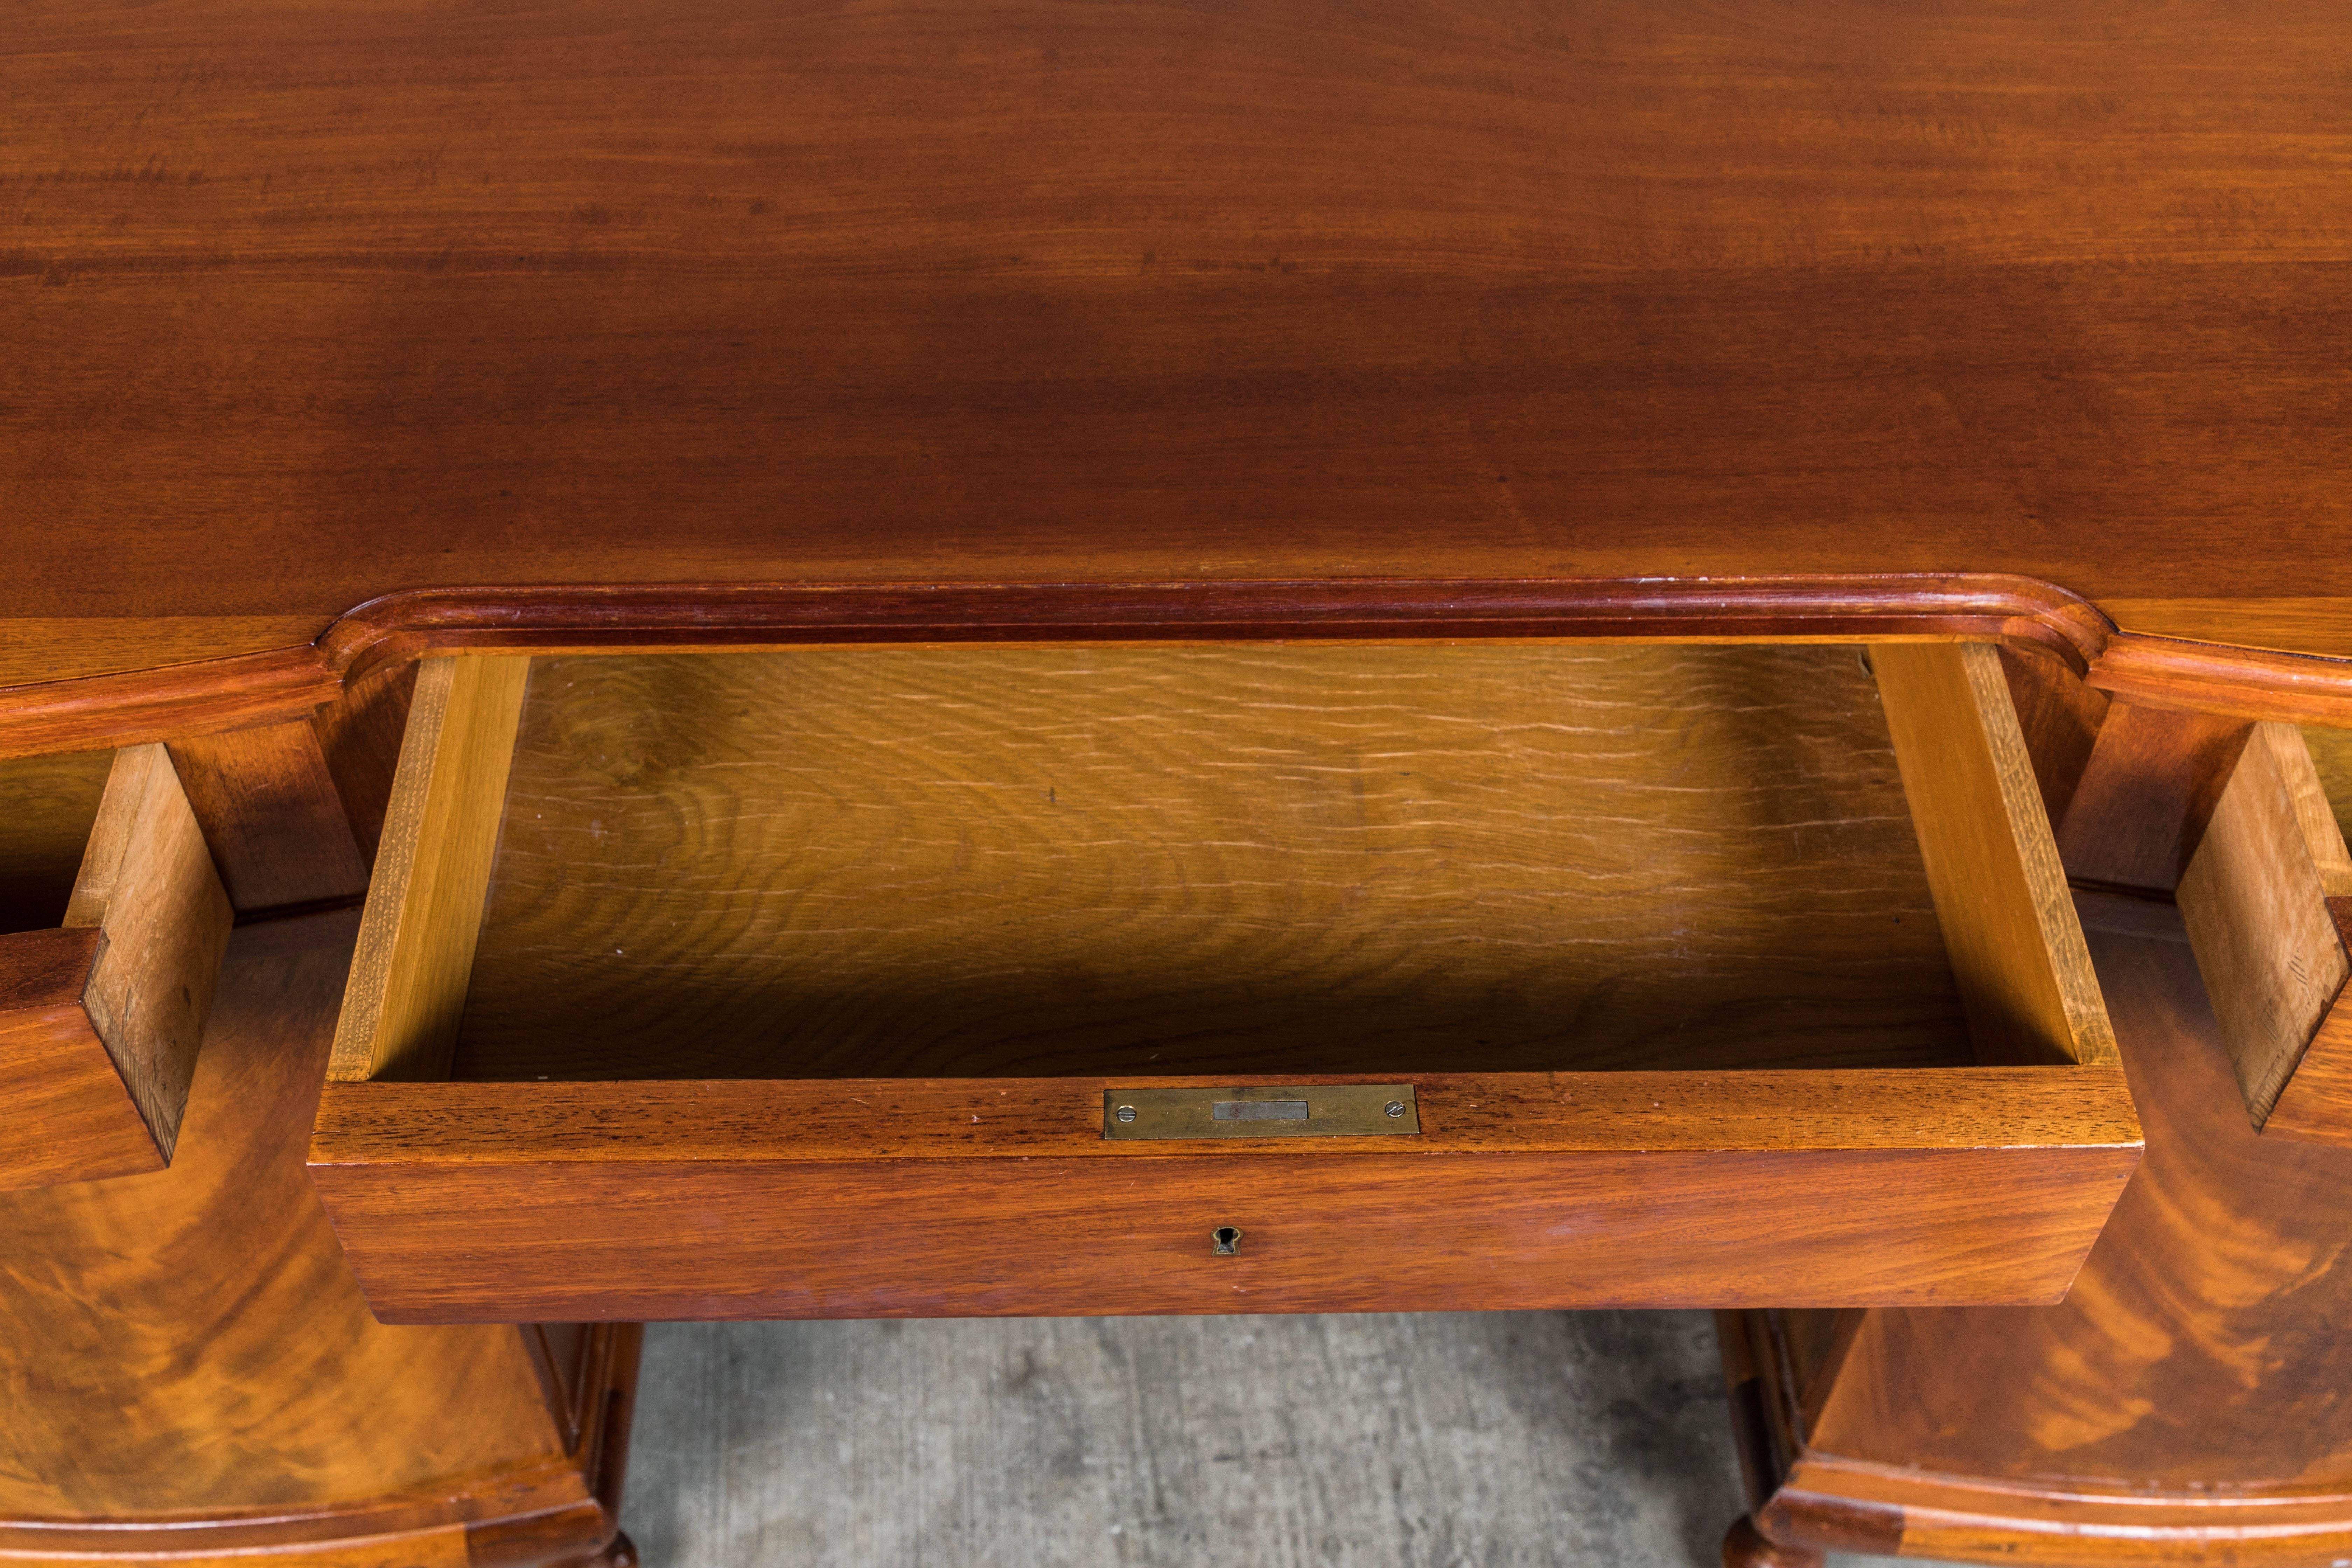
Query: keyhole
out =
(1228, 1238)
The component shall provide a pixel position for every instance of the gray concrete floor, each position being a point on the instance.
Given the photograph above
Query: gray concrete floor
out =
(1260, 1442)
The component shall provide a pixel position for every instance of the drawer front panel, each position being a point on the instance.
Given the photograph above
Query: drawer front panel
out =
(630, 1239)
(960, 1197)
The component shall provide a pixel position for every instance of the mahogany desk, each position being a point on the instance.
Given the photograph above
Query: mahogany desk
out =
(332, 342)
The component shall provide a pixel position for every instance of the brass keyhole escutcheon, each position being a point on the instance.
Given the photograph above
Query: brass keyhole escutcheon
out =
(1228, 1238)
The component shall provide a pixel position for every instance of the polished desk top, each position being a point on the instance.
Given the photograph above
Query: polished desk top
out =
(307, 309)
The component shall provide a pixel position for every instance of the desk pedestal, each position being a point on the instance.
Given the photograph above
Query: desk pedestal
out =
(189, 1369)
(2187, 1403)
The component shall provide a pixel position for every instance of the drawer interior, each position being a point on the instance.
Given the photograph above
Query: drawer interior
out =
(1032, 862)
(2331, 756)
(48, 807)
(1663, 975)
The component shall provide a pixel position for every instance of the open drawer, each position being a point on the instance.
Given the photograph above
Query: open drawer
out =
(2267, 902)
(112, 924)
(823, 983)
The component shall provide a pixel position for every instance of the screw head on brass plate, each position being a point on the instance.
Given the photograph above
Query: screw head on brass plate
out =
(1127, 1113)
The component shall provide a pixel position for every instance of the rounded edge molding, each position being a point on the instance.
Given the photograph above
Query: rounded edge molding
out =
(229, 693)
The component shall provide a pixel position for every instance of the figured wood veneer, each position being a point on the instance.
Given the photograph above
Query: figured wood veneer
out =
(2184, 1404)
(191, 1374)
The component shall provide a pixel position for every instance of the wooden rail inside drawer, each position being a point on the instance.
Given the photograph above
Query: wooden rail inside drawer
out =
(2267, 902)
(112, 924)
(793, 983)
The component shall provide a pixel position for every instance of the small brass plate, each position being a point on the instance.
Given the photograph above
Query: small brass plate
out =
(1290, 1110)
